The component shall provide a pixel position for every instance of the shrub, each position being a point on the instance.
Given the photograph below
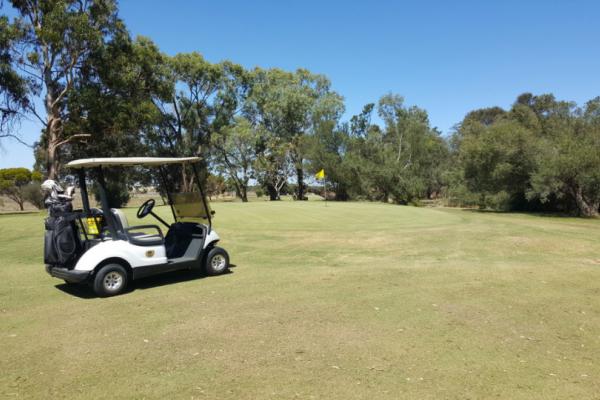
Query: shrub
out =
(12, 182)
(33, 194)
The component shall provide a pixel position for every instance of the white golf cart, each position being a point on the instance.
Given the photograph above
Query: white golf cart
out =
(102, 248)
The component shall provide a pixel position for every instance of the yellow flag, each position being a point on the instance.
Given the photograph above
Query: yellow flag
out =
(320, 175)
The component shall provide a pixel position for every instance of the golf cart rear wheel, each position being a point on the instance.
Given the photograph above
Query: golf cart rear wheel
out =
(217, 261)
(110, 280)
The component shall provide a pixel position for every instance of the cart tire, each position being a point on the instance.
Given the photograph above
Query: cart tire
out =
(110, 280)
(216, 262)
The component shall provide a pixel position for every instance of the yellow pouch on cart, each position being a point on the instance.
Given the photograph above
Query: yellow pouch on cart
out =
(92, 226)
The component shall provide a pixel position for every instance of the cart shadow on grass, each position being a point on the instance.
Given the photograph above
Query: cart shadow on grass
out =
(169, 278)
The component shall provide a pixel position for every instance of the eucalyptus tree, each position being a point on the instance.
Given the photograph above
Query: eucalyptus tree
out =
(361, 123)
(541, 154)
(412, 149)
(360, 158)
(13, 87)
(55, 42)
(273, 165)
(292, 105)
(328, 151)
(14, 183)
(568, 161)
(402, 161)
(202, 98)
(235, 154)
(497, 161)
(114, 103)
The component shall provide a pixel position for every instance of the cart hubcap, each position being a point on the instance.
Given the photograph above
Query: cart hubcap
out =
(113, 281)
(218, 262)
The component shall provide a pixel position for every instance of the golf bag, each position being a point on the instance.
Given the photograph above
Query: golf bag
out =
(61, 238)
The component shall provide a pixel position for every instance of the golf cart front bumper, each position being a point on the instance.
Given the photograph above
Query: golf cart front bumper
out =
(69, 275)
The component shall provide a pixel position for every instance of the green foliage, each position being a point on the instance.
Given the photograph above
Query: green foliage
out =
(15, 177)
(540, 155)
(401, 162)
(194, 100)
(117, 191)
(290, 106)
(497, 160)
(568, 162)
(235, 156)
(113, 105)
(13, 87)
(273, 166)
(326, 151)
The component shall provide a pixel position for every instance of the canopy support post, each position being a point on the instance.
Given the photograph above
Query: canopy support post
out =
(165, 183)
(108, 216)
(202, 195)
(83, 189)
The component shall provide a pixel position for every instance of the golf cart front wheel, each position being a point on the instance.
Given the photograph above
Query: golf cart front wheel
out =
(110, 280)
(217, 261)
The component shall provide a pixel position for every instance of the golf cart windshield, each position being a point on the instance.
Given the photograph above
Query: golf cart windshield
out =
(189, 207)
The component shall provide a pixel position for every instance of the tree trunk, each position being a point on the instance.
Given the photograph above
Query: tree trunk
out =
(273, 192)
(586, 207)
(53, 125)
(341, 194)
(184, 180)
(482, 201)
(241, 190)
(385, 197)
(244, 186)
(300, 179)
(238, 192)
(53, 137)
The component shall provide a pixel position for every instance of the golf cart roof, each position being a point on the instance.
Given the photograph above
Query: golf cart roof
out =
(128, 161)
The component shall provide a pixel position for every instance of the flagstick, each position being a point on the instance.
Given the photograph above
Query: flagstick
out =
(325, 191)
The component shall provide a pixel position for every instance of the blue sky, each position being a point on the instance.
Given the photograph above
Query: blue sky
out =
(448, 57)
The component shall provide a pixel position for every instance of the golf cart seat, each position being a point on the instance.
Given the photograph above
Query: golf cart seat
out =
(137, 238)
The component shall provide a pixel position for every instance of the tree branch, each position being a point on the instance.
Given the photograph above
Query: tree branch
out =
(18, 139)
(69, 83)
(31, 109)
(78, 136)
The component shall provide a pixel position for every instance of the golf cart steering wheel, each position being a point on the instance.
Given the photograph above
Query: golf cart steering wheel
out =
(145, 208)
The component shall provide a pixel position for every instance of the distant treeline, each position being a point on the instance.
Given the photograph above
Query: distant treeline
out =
(107, 94)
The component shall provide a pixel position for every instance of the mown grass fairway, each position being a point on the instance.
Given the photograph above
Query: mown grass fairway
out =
(346, 301)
